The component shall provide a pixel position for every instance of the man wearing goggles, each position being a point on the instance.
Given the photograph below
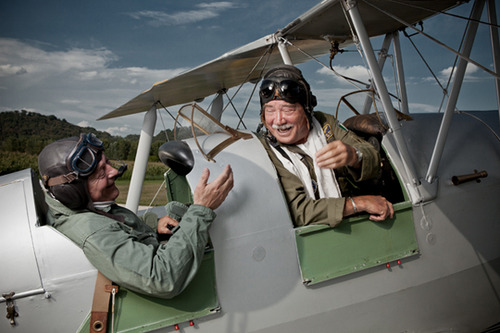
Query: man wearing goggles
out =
(316, 156)
(81, 190)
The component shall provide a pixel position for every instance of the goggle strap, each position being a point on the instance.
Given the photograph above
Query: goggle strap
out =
(59, 180)
(276, 94)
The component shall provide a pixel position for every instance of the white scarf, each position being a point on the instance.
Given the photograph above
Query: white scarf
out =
(103, 205)
(327, 183)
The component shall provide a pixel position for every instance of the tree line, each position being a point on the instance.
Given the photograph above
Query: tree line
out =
(24, 134)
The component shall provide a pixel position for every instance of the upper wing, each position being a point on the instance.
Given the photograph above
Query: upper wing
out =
(311, 35)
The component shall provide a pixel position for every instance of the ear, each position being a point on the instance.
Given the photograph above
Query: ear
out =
(314, 101)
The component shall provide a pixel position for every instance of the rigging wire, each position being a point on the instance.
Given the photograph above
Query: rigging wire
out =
(444, 89)
(269, 52)
(346, 78)
(469, 19)
(162, 186)
(164, 127)
(356, 41)
(481, 121)
(167, 140)
(396, 82)
(468, 59)
(230, 102)
(176, 122)
(425, 62)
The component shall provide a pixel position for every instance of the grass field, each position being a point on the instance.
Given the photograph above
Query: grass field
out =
(149, 191)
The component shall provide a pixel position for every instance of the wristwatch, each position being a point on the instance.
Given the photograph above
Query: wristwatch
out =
(359, 154)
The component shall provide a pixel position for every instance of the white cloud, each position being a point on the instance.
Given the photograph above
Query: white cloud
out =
(10, 70)
(357, 72)
(83, 123)
(472, 74)
(205, 11)
(422, 108)
(471, 69)
(119, 130)
(79, 85)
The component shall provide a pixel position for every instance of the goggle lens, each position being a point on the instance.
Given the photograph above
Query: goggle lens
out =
(288, 90)
(85, 156)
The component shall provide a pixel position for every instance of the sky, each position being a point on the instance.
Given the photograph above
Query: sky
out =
(81, 60)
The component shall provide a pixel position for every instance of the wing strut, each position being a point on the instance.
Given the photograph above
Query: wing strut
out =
(382, 56)
(352, 9)
(400, 72)
(495, 49)
(141, 160)
(284, 52)
(455, 91)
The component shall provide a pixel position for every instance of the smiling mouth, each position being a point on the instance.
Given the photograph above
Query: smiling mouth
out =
(283, 128)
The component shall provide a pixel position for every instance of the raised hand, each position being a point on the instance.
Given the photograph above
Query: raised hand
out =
(336, 154)
(213, 194)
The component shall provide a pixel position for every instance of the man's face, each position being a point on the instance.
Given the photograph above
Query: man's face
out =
(101, 183)
(287, 122)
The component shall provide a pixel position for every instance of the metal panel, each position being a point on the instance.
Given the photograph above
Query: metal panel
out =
(140, 313)
(19, 272)
(356, 244)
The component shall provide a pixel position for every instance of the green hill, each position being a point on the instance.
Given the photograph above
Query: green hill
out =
(23, 135)
(29, 132)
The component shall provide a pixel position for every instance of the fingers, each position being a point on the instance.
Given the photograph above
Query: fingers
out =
(165, 224)
(214, 193)
(336, 154)
(377, 206)
(225, 178)
(205, 174)
(385, 210)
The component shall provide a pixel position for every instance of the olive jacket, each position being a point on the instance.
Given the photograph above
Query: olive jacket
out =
(130, 253)
(306, 210)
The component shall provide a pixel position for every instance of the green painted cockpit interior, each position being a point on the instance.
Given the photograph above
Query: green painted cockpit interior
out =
(140, 313)
(177, 188)
(356, 244)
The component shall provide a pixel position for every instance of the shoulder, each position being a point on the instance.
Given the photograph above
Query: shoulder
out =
(77, 225)
(332, 128)
(328, 119)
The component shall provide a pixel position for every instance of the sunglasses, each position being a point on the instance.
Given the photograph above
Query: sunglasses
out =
(288, 90)
(86, 155)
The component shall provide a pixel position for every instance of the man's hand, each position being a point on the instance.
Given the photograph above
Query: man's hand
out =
(213, 194)
(166, 224)
(336, 154)
(377, 206)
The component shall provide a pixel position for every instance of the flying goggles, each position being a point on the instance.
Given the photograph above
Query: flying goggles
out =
(288, 90)
(84, 158)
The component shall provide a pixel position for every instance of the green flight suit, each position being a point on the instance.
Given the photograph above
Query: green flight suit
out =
(305, 210)
(130, 253)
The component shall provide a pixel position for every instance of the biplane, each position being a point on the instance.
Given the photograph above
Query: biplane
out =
(434, 267)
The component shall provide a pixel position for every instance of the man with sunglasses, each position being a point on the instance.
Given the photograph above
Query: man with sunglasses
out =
(316, 157)
(80, 192)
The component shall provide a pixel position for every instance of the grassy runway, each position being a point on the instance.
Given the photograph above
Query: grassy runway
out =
(149, 190)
